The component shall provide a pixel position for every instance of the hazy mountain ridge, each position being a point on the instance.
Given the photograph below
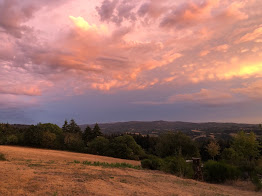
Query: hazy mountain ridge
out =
(163, 126)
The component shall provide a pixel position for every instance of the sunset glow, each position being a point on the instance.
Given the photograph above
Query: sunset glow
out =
(117, 60)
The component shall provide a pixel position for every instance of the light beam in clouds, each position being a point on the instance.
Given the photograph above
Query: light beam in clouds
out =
(115, 46)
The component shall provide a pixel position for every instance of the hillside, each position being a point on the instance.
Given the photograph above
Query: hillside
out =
(157, 127)
(29, 171)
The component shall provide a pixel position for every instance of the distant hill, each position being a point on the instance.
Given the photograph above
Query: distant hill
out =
(158, 127)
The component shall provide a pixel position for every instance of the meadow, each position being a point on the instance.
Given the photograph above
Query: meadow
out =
(30, 171)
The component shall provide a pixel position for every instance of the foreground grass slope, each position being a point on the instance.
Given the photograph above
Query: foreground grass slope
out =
(29, 171)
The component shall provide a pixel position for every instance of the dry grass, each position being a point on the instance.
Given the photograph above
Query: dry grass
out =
(31, 171)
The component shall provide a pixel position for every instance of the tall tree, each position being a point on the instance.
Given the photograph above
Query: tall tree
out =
(213, 149)
(97, 131)
(246, 146)
(88, 134)
(176, 144)
(65, 126)
(73, 127)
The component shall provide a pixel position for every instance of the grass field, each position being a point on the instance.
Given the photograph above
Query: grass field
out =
(29, 171)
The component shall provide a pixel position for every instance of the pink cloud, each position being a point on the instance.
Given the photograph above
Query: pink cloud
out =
(205, 96)
(252, 89)
(256, 36)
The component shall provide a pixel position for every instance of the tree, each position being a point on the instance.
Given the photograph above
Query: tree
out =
(48, 140)
(213, 149)
(98, 146)
(176, 144)
(73, 127)
(74, 142)
(246, 147)
(88, 134)
(65, 126)
(97, 131)
(125, 147)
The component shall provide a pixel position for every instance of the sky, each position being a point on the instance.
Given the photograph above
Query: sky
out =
(124, 60)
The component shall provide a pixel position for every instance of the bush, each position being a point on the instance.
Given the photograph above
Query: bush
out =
(178, 166)
(220, 172)
(98, 146)
(12, 139)
(152, 162)
(176, 144)
(256, 181)
(125, 147)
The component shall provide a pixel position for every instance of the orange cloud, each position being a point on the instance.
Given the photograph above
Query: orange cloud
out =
(252, 89)
(255, 36)
(205, 96)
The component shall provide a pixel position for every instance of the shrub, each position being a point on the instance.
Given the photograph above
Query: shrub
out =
(178, 166)
(12, 139)
(112, 165)
(125, 147)
(98, 146)
(152, 162)
(176, 144)
(256, 181)
(220, 172)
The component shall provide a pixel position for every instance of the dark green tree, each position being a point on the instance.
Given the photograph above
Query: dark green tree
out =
(125, 147)
(97, 131)
(176, 144)
(88, 134)
(73, 127)
(98, 146)
(65, 126)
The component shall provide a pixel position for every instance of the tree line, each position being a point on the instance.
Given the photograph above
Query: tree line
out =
(232, 158)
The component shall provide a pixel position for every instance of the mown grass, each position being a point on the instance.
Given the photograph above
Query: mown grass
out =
(2, 157)
(109, 165)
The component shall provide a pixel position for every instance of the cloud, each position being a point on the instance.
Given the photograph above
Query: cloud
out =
(153, 9)
(205, 96)
(15, 13)
(252, 90)
(20, 90)
(127, 56)
(13, 16)
(101, 57)
(195, 13)
(106, 10)
(255, 36)
(188, 14)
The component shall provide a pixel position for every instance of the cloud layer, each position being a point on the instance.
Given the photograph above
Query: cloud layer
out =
(213, 47)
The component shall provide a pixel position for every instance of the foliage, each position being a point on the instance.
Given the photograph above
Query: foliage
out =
(48, 140)
(220, 172)
(33, 136)
(243, 152)
(88, 134)
(152, 162)
(65, 126)
(12, 139)
(256, 181)
(176, 144)
(213, 149)
(230, 156)
(178, 166)
(247, 148)
(72, 127)
(98, 146)
(97, 131)
(112, 165)
(74, 142)
(125, 147)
